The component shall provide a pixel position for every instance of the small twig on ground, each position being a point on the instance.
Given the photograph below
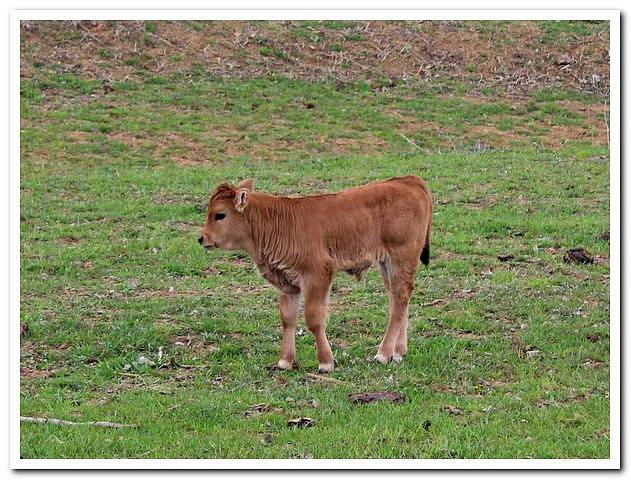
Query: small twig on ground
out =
(203, 365)
(158, 37)
(91, 35)
(404, 47)
(410, 141)
(56, 421)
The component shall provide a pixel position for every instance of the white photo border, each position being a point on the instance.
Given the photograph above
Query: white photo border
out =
(613, 16)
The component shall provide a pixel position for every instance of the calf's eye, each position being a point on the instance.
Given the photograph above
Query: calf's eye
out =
(219, 216)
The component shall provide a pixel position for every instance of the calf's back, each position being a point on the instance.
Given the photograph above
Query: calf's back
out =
(358, 226)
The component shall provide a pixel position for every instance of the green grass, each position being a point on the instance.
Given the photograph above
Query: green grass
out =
(111, 270)
(150, 27)
(562, 31)
(312, 31)
(332, 24)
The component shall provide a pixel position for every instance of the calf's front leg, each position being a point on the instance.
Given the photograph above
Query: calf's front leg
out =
(289, 304)
(316, 299)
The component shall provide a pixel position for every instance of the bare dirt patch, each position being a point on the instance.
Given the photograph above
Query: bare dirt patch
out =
(69, 240)
(194, 343)
(481, 203)
(183, 150)
(32, 355)
(370, 397)
(78, 136)
(558, 135)
(411, 125)
(571, 398)
(483, 137)
(31, 373)
(128, 139)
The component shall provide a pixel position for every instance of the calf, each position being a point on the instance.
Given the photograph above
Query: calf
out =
(299, 244)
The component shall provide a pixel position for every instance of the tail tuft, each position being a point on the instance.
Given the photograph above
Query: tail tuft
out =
(425, 254)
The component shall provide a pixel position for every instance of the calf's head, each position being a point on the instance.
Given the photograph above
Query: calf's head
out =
(226, 226)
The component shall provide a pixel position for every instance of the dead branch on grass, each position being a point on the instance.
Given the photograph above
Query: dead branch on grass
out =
(67, 423)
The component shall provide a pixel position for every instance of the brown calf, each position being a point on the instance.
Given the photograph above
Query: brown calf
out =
(299, 244)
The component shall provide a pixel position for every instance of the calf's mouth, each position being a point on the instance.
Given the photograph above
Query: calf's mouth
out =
(206, 246)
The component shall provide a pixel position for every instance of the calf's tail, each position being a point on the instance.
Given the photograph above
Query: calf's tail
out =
(425, 252)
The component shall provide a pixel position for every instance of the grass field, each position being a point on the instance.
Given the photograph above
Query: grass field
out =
(508, 359)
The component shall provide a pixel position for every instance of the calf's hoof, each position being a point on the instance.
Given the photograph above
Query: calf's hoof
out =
(396, 358)
(401, 351)
(284, 365)
(325, 367)
(381, 358)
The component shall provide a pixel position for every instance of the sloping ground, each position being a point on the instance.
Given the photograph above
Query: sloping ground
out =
(512, 57)
(277, 90)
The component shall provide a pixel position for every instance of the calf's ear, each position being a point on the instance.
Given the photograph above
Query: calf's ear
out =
(247, 184)
(241, 199)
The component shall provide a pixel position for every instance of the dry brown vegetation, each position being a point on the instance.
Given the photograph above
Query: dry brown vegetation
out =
(524, 57)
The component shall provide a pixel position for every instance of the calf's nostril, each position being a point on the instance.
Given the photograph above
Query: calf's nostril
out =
(200, 240)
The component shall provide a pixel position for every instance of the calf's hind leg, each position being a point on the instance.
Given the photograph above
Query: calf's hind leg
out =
(399, 282)
(289, 304)
(401, 345)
